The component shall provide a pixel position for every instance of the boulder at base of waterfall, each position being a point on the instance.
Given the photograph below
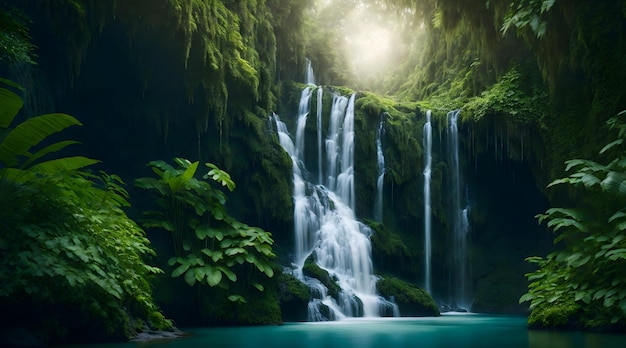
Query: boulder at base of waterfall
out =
(311, 269)
(293, 296)
(412, 300)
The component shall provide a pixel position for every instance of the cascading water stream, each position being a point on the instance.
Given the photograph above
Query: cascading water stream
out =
(345, 179)
(378, 208)
(460, 221)
(428, 144)
(320, 92)
(324, 220)
(332, 140)
(309, 79)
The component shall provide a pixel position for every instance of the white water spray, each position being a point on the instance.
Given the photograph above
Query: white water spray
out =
(378, 208)
(428, 143)
(325, 224)
(309, 79)
(460, 221)
(320, 92)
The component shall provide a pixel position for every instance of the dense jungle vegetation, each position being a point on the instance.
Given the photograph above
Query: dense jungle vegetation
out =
(173, 96)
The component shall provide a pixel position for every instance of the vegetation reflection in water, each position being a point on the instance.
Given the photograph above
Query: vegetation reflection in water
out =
(449, 330)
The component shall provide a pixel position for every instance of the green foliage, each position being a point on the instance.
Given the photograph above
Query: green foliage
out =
(64, 236)
(514, 95)
(71, 234)
(528, 13)
(260, 308)
(15, 42)
(19, 154)
(587, 276)
(208, 243)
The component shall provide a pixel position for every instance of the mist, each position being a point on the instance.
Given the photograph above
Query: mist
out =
(374, 38)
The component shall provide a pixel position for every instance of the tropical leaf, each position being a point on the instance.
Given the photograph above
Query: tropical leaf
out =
(220, 176)
(237, 298)
(614, 182)
(190, 277)
(228, 273)
(190, 171)
(63, 164)
(611, 145)
(30, 133)
(178, 271)
(11, 83)
(213, 276)
(47, 150)
(11, 105)
(217, 255)
(617, 215)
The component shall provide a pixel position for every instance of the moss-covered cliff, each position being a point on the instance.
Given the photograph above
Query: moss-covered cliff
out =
(535, 82)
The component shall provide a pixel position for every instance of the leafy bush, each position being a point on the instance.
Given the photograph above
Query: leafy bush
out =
(586, 281)
(72, 260)
(208, 243)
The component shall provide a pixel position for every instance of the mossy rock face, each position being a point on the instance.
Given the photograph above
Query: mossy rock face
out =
(293, 296)
(390, 251)
(412, 300)
(325, 312)
(311, 269)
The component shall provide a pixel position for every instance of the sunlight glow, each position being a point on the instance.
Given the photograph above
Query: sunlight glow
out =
(370, 40)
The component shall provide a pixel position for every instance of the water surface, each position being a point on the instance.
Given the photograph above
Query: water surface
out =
(469, 330)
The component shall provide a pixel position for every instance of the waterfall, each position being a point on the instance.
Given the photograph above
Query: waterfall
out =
(428, 139)
(378, 208)
(345, 179)
(324, 221)
(309, 79)
(319, 135)
(332, 140)
(460, 223)
(303, 113)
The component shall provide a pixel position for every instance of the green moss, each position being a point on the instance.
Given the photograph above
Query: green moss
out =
(311, 269)
(411, 299)
(263, 164)
(293, 296)
(561, 315)
(517, 95)
(292, 289)
(389, 249)
(15, 40)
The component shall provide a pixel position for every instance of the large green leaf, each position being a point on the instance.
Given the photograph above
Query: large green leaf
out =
(178, 271)
(615, 182)
(190, 171)
(47, 150)
(220, 176)
(11, 105)
(30, 133)
(213, 276)
(63, 164)
(190, 277)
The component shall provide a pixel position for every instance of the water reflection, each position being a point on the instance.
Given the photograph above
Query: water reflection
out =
(469, 330)
(552, 339)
